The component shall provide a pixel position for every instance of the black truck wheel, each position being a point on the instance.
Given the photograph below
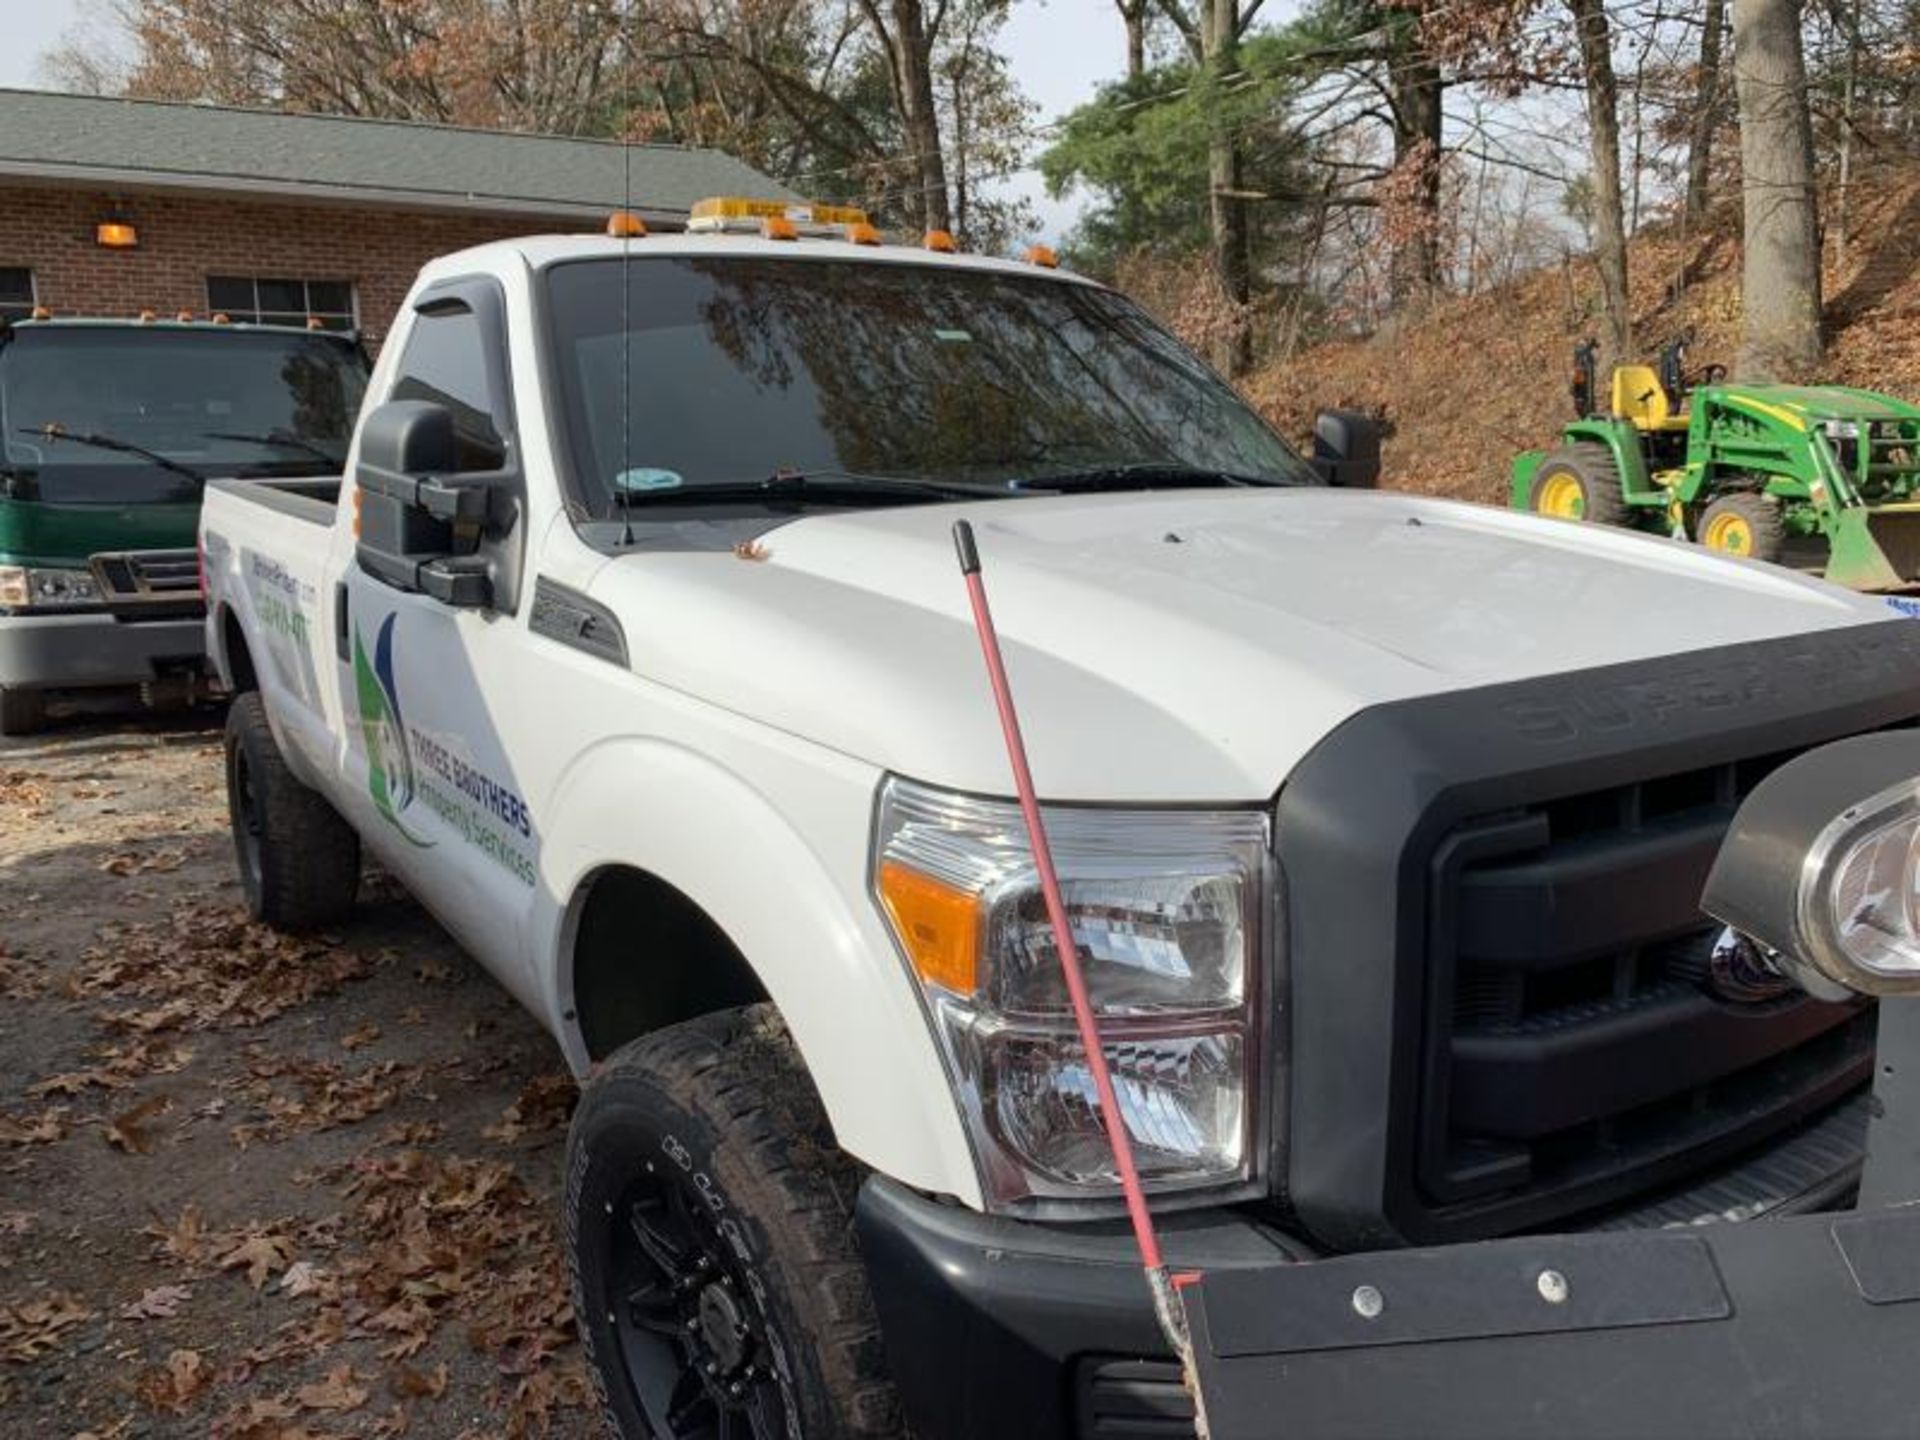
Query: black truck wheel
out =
(709, 1226)
(299, 861)
(1580, 482)
(21, 711)
(1743, 524)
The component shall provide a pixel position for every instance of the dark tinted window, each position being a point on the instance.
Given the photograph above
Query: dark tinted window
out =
(446, 362)
(16, 292)
(218, 400)
(269, 301)
(733, 369)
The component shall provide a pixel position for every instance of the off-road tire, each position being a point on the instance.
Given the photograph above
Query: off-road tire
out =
(1591, 467)
(22, 712)
(722, 1108)
(299, 861)
(1762, 520)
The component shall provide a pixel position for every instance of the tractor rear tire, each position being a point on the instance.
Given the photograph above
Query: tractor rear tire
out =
(1580, 482)
(1743, 524)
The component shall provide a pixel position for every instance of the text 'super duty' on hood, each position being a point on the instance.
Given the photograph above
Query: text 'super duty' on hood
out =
(1178, 646)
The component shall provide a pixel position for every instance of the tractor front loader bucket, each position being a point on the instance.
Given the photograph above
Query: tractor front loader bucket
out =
(1876, 547)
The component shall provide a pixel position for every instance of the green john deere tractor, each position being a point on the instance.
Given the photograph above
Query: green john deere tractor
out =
(1829, 473)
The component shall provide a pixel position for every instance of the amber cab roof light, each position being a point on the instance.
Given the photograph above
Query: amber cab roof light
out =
(743, 215)
(625, 225)
(1044, 256)
(940, 240)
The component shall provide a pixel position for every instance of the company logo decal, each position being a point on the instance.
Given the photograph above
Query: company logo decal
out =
(389, 764)
(408, 763)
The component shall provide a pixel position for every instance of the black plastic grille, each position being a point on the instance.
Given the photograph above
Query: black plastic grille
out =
(149, 584)
(1576, 1051)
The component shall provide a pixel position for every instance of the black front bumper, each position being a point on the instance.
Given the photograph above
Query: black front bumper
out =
(1003, 1328)
(1802, 1326)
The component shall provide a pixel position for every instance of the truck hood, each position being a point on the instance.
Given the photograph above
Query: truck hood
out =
(1171, 646)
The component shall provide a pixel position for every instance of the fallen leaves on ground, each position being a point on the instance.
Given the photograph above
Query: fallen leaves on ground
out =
(30, 1328)
(175, 1385)
(128, 1130)
(324, 1094)
(545, 1104)
(134, 862)
(41, 1129)
(209, 967)
(162, 1302)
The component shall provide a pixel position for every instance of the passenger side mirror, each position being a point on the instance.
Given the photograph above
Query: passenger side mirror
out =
(420, 521)
(1346, 448)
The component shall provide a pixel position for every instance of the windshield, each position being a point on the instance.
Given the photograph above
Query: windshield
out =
(737, 369)
(205, 402)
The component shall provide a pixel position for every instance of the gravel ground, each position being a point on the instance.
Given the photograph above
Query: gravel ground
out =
(251, 1187)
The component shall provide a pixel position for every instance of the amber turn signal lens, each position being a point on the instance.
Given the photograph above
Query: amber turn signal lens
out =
(938, 925)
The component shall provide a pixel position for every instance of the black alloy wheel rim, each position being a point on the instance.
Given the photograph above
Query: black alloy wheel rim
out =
(246, 817)
(690, 1336)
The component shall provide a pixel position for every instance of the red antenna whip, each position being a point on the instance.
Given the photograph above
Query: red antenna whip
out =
(1163, 1286)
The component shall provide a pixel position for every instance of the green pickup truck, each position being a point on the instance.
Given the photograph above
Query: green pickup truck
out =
(109, 430)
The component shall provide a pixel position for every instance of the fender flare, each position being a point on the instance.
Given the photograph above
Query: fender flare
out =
(829, 966)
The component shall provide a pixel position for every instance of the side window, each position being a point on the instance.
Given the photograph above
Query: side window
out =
(446, 362)
(16, 292)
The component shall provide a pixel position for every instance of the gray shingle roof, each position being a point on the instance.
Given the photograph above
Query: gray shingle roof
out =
(145, 143)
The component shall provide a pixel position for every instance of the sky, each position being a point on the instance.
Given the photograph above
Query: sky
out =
(1060, 51)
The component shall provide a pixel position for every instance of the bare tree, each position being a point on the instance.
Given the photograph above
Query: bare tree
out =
(1780, 269)
(909, 34)
(1595, 38)
(1706, 109)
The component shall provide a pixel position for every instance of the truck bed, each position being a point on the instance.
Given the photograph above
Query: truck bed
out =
(314, 499)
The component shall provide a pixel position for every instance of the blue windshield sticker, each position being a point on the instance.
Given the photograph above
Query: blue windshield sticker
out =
(1908, 608)
(643, 479)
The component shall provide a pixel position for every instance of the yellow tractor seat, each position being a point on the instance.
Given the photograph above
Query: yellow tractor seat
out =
(1639, 396)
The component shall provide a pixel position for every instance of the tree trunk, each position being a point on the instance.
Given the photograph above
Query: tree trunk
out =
(1780, 268)
(1232, 258)
(913, 59)
(1609, 217)
(1706, 110)
(1133, 14)
(1414, 268)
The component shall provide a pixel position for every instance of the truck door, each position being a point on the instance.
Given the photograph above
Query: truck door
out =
(425, 733)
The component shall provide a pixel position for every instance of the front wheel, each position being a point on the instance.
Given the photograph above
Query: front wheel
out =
(1743, 524)
(709, 1224)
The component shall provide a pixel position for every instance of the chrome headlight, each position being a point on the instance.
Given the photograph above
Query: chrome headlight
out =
(37, 587)
(1167, 909)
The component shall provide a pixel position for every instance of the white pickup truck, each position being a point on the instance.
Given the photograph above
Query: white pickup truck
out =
(632, 642)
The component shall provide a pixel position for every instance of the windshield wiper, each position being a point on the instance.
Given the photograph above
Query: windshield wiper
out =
(1145, 475)
(284, 439)
(827, 486)
(55, 431)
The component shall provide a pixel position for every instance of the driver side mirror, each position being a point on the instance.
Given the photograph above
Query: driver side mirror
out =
(1346, 448)
(420, 521)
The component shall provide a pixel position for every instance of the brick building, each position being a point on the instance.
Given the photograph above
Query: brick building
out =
(110, 207)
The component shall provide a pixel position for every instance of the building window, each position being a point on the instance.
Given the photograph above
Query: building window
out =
(16, 292)
(282, 302)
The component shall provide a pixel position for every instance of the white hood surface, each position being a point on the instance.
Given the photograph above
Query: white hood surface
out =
(1172, 646)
